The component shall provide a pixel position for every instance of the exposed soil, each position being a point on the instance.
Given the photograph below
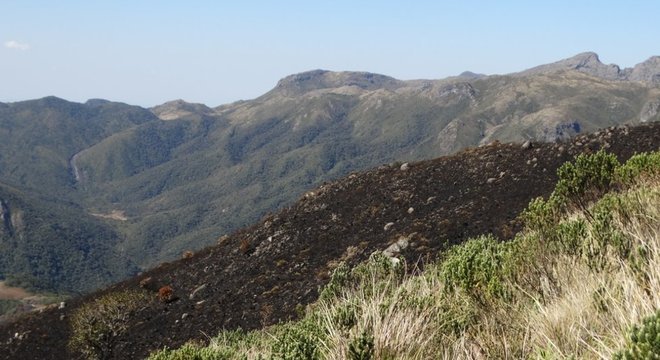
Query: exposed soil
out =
(12, 293)
(114, 215)
(258, 275)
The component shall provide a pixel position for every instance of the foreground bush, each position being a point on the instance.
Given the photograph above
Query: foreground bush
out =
(644, 341)
(95, 326)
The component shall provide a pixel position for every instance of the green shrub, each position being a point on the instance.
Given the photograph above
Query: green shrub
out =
(361, 347)
(478, 266)
(585, 179)
(541, 215)
(298, 340)
(338, 281)
(97, 325)
(644, 341)
(639, 165)
(378, 267)
(190, 351)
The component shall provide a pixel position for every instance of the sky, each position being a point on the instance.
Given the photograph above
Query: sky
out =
(147, 52)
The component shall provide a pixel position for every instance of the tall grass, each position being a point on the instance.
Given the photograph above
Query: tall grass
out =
(571, 285)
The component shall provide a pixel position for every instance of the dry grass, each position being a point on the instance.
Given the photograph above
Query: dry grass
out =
(596, 308)
(560, 307)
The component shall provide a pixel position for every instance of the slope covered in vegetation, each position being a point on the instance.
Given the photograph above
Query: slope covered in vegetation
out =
(582, 280)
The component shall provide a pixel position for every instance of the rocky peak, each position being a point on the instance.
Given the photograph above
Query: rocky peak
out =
(322, 79)
(589, 63)
(647, 71)
(586, 62)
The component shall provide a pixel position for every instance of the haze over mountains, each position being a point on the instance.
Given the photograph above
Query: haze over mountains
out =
(149, 184)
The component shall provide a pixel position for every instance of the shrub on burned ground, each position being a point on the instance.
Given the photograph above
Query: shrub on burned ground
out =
(97, 325)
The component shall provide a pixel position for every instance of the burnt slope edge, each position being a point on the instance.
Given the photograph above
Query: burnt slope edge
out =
(282, 260)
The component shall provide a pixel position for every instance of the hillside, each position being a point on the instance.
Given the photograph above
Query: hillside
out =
(49, 241)
(177, 177)
(185, 182)
(47, 244)
(579, 281)
(262, 274)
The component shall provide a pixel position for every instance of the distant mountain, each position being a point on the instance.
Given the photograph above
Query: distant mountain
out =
(589, 63)
(179, 176)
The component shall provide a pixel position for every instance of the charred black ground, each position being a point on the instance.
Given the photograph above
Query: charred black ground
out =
(261, 274)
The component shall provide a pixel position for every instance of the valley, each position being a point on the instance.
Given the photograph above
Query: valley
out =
(177, 177)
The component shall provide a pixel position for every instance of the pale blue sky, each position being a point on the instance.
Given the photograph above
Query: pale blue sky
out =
(146, 52)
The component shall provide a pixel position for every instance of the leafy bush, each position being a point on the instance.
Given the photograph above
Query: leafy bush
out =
(362, 347)
(190, 351)
(644, 342)
(338, 280)
(585, 179)
(639, 165)
(378, 267)
(97, 325)
(478, 266)
(298, 340)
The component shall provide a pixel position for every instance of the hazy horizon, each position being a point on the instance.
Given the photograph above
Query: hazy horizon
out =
(149, 52)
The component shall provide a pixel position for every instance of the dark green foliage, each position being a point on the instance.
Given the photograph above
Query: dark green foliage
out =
(644, 341)
(56, 246)
(361, 347)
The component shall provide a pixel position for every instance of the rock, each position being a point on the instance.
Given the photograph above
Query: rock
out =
(184, 316)
(410, 210)
(527, 144)
(388, 226)
(197, 290)
(404, 167)
(401, 244)
(490, 180)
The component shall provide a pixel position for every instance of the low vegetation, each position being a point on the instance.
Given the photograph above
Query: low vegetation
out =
(581, 281)
(97, 325)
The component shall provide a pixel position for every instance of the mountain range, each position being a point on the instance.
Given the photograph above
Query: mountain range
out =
(134, 187)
